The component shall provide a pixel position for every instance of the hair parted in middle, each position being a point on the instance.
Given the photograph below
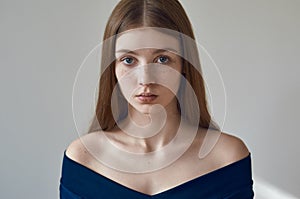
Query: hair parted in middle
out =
(132, 14)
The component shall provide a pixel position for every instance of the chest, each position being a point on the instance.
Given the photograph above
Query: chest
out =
(183, 170)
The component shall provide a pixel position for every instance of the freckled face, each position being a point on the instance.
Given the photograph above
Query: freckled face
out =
(148, 68)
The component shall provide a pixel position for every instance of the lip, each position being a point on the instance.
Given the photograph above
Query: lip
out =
(146, 97)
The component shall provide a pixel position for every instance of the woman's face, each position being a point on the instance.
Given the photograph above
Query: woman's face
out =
(148, 68)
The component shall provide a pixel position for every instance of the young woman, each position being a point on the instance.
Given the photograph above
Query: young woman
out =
(151, 118)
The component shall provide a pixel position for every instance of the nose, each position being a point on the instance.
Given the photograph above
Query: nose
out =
(145, 75)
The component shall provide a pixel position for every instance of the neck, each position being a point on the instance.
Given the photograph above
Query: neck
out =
(154, 129)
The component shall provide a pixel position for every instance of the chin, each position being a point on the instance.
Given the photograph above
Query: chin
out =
(144, 109)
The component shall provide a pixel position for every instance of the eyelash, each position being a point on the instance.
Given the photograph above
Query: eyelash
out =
(156, 59)
(123, 59)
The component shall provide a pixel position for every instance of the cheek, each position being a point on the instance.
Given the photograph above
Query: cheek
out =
(120, 71)
(178, 64)
(126, 81)
(171, 80)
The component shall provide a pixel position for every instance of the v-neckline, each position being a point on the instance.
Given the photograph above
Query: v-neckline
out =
(198, 178)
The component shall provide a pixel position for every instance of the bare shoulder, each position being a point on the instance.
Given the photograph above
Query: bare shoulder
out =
(78, 151)
(230, 149)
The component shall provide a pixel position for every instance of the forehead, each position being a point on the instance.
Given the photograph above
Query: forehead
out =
(142, 38)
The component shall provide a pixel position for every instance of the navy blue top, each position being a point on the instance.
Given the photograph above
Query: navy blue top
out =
(233, 181)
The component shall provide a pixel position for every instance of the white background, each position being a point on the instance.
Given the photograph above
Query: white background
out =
(42, 44)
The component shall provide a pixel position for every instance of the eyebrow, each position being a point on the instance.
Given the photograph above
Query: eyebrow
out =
(155, 52)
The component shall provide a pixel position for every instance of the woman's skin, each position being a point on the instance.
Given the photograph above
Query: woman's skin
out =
(228, 149)
(130, 55)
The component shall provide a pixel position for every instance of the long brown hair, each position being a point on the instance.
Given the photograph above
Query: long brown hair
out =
(130, 14)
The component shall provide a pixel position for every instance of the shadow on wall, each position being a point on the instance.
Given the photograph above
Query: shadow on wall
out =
(265, 190)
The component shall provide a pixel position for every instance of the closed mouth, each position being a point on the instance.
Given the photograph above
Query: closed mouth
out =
(146, 97)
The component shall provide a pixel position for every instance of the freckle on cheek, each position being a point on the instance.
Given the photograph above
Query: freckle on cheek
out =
(122, 72)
